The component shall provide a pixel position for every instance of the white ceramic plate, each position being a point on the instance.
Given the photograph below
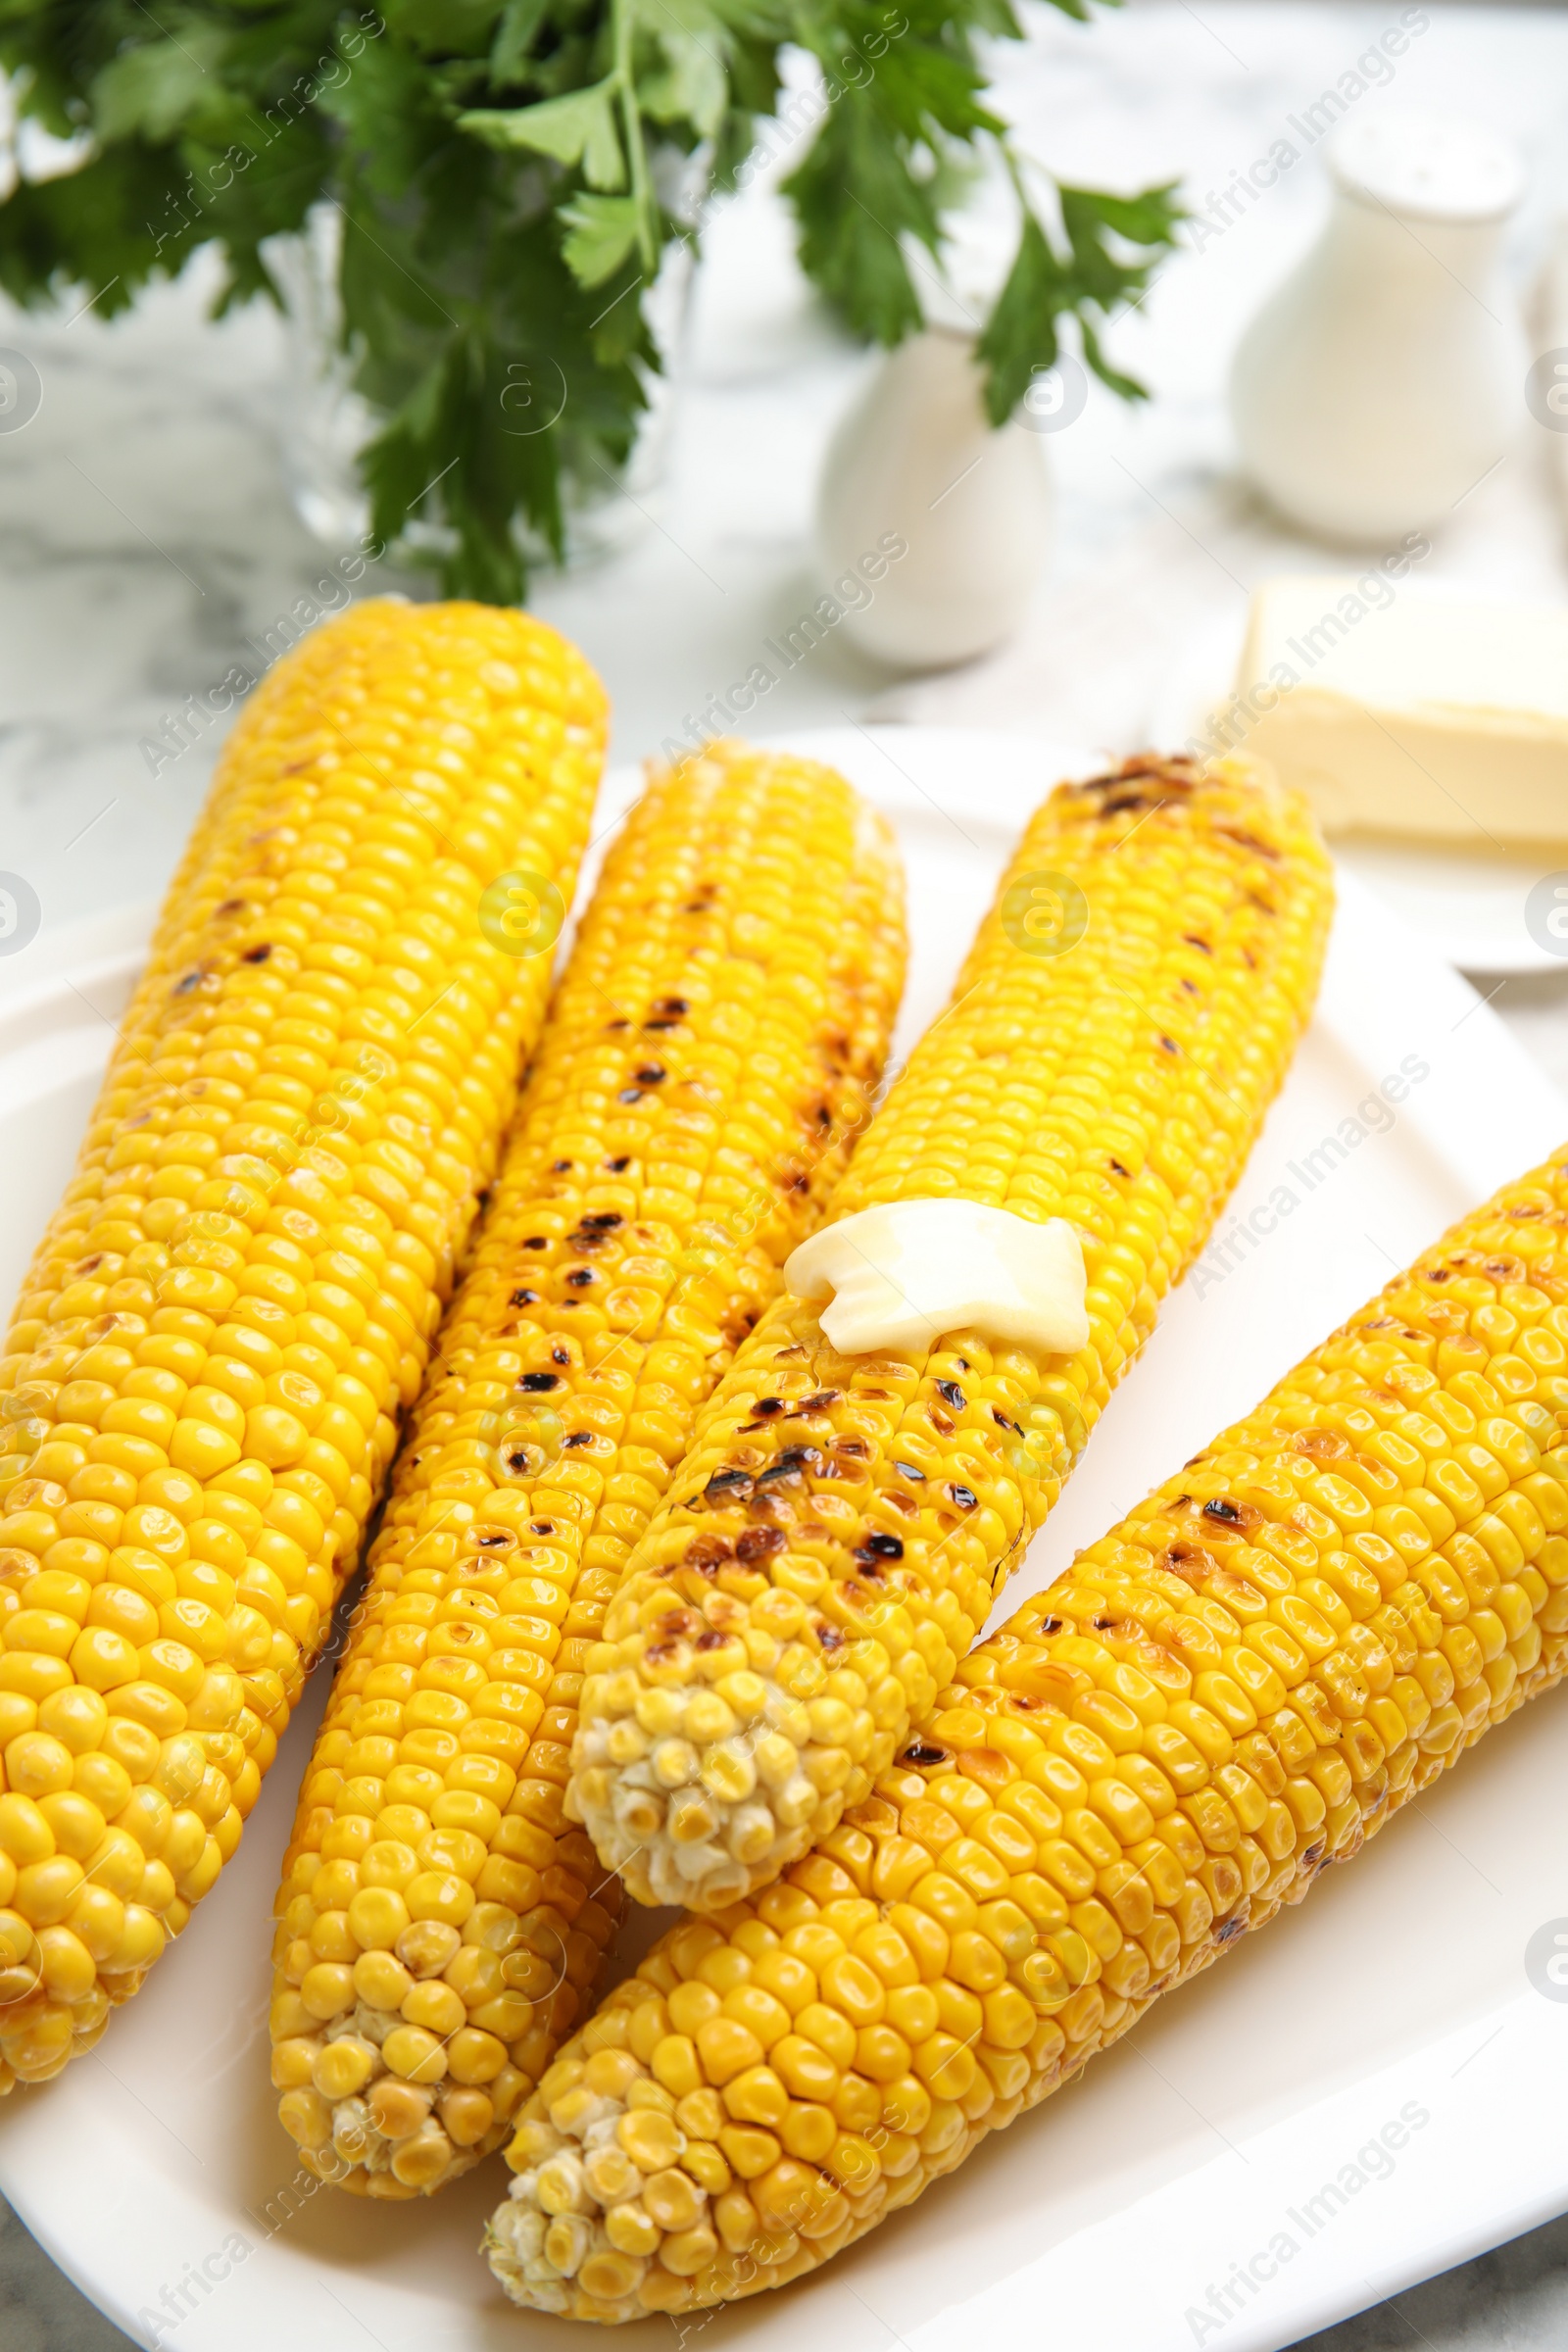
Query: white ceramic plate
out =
(155, 2171)
(1468, 904)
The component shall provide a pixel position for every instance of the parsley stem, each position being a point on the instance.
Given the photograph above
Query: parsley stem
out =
(632, 123)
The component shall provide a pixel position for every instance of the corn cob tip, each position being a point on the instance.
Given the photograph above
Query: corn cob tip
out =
(721, 1793)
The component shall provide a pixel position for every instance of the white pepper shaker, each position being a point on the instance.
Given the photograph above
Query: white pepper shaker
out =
(917, 457)
(1386, 376)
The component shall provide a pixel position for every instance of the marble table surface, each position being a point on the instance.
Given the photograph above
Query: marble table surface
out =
(147, 534)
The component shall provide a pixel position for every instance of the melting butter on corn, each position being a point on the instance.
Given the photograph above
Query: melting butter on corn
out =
(902, 1272)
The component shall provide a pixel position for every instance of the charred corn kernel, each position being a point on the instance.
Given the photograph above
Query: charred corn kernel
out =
(830, 1545)
(223, 1322)
(707, 1062)
(1083, 1721)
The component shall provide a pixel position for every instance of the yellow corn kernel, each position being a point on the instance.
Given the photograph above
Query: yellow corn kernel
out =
(869, 1504)
(1083, 1721)
(236, 1301)
(706, 1063)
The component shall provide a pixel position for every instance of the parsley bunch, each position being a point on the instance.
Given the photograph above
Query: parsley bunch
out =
(508, 175)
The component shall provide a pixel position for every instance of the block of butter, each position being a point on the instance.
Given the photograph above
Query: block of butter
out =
(1404, 710)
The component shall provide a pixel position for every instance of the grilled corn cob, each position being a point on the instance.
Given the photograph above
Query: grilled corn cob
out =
(197, 1404)
(1238, 1685)
(830, 1548)
(705, 1066)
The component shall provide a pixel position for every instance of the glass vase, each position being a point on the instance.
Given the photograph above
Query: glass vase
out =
(323, 421)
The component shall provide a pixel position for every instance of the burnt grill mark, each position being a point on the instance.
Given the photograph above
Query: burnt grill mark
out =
(965, 1496)
(652, 1074)
(923, 1751)
(951, 1393)
(618, 1167)
(580, 1437)
(908, 1470)
(708, 1551)
(790, 1464)
(537, 1383)
(523, 1298)
(1249, 840)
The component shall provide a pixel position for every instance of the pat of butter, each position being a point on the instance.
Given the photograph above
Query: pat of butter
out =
(905, 1271)
(1401, 710)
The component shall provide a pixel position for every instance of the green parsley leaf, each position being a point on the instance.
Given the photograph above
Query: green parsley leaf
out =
(693, 86)
(579, 127)
(600, 233)
(155, 90)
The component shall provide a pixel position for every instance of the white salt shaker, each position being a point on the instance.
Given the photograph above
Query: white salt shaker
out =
(917, 460)
(1386, 376)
